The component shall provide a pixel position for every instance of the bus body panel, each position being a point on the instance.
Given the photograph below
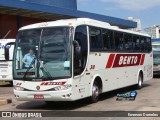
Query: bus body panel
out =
(119, 77)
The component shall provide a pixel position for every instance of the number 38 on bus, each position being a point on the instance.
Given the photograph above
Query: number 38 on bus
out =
(67, 60)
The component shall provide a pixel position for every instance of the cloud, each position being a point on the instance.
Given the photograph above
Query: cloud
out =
(134, 5)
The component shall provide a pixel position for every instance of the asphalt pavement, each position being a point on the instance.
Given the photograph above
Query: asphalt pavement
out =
(148, 99)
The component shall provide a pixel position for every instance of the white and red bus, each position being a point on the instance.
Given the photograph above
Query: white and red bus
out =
(79, 58)
(6, 59)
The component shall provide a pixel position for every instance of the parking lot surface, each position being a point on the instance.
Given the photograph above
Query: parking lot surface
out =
(148, 99)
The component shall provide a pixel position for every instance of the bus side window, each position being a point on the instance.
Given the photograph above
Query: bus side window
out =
(128, 41)
(81, 38)
(119, 41)
(148, 45)
(136, 43)
(108, 42)
(95, 39)
(142, 43)
(105, 40)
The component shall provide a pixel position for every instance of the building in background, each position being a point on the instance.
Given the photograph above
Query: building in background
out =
(17, 13)
(138, 22)
(153, 31)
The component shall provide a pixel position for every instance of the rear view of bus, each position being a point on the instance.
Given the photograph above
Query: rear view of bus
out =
(156, 56)
(6, 58)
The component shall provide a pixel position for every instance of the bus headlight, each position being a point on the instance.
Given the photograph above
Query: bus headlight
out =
(64, 87)
(18, 88)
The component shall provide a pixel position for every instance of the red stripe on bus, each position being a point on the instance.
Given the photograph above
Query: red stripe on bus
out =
(142, 59)
(110, 61)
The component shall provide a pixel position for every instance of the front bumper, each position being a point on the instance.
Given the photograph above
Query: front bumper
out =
(65, 95)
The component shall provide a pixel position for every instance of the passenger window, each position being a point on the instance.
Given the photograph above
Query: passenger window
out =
(142, 43)
(128, 42)
(119, 41)
(108, 42)
(95, 39)
(148, 44)
(136, 43)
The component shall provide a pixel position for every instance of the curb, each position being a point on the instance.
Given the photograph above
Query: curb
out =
(5, 101)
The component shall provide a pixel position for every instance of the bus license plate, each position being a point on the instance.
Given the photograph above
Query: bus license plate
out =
(38, 97)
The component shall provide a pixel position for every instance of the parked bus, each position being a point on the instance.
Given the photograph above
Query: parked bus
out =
(156, 56)
(67, 60)
(6, 58)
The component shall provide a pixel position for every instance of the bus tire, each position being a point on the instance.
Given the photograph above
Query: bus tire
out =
(140, 81)
(95, 92)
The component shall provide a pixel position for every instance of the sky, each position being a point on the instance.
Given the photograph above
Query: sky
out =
(148, 11)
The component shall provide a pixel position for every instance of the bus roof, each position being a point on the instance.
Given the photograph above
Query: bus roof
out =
(80, 21)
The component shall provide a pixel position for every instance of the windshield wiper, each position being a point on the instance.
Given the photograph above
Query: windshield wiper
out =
(47, 73)
(30, 66)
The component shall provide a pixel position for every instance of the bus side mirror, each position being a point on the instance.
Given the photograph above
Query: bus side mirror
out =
(77, 49)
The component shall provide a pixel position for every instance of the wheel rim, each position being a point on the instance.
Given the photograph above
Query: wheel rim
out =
(95, 91)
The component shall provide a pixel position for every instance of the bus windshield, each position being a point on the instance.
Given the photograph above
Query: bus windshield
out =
(43, 54)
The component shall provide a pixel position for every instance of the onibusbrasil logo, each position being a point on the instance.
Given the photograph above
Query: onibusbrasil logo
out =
(127, 97)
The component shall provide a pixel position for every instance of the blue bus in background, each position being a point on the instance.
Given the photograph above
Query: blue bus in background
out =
(156, 56)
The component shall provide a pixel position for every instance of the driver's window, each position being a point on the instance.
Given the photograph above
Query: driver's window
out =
(80, 59)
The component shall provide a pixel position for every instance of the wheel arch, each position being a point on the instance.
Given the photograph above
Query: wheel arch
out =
(98, 79)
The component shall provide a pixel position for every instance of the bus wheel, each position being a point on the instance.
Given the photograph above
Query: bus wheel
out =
(95, 92)
(140, 81)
